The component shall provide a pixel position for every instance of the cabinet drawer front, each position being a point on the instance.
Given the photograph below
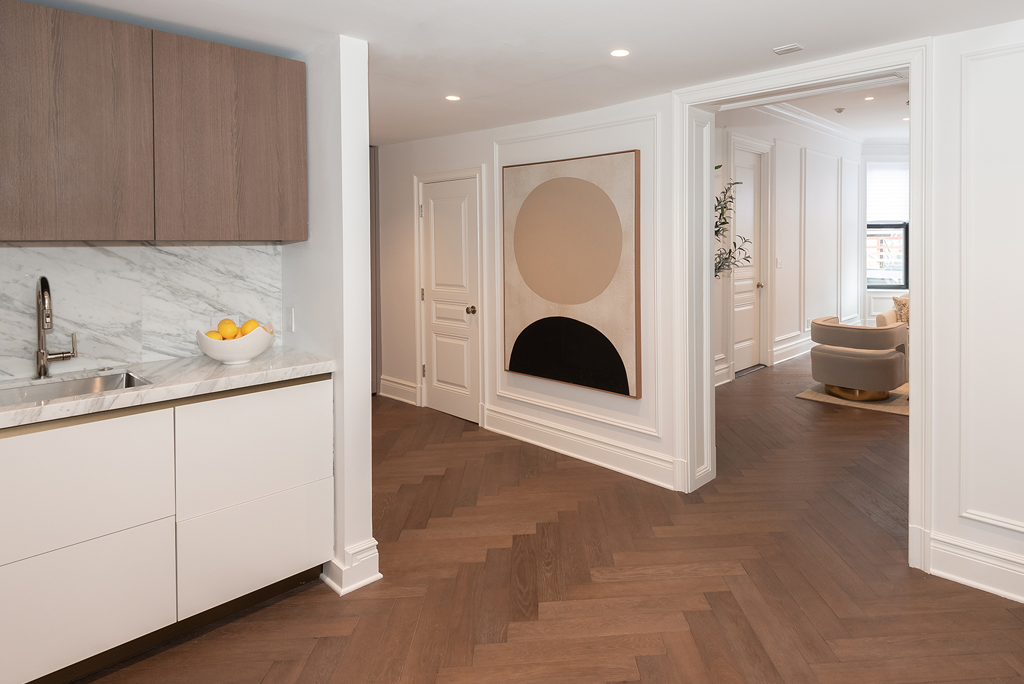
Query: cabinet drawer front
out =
(68, 605)
(229, 553)
(67, 485)
(237, 449)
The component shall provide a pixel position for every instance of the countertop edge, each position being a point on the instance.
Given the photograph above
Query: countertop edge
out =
(195, 376)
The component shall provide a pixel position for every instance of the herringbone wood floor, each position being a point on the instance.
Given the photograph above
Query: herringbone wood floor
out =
(508, 563)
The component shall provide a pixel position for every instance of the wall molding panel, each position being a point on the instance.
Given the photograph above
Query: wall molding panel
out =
(792, 349)
(990, 470)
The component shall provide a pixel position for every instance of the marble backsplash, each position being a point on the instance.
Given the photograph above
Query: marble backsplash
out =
(132, 303)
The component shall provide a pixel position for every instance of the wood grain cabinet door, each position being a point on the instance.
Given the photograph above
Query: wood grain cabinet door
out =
(230, 142)
(76, 126)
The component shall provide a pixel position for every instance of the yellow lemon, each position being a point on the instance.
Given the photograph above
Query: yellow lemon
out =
(227, 329)
(249, 326)
(214, 335)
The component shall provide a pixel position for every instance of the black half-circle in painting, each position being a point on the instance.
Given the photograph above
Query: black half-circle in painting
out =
(568, 350)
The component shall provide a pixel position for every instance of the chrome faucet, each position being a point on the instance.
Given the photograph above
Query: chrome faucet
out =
(44, 322)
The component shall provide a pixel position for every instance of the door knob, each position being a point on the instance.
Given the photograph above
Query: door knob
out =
(760, 285)
(471, 309)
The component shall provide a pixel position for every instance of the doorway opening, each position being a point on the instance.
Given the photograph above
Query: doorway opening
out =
(807, 188)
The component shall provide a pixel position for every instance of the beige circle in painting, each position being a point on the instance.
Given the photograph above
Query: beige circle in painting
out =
(568, 240)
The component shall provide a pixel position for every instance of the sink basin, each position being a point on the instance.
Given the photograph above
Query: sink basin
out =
(58, 389)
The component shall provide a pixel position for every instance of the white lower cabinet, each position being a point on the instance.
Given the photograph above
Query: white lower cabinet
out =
(65, 486)
(255, 491)
(229, 553)
(116, 528)
(64, 606)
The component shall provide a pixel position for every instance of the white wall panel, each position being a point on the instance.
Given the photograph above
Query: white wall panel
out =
(993, 145)
(821, 235)
(851, 246)
(788, 210)
(976, 514)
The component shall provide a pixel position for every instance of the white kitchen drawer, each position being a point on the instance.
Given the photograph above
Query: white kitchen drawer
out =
(61, 607)
(242, 448)
(231, 552)
(70, 484)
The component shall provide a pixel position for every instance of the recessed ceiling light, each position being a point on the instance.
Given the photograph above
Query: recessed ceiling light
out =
(786, 49)
(869, 98)
(453, 98)
(906, 118)
(620, 53)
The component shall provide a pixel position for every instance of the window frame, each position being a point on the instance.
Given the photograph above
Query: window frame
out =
(905, 227)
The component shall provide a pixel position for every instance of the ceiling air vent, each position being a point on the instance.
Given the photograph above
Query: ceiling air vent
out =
(786, 49)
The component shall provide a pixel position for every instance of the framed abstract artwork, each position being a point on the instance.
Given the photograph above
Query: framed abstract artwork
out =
(572, 271)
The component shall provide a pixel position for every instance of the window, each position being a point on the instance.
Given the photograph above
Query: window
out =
(887, 250)
(888, 216)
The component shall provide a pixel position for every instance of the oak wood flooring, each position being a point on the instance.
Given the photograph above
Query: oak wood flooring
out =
(505, 562)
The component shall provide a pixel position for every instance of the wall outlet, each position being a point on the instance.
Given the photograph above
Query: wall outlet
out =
(808, 326)
(778, 262)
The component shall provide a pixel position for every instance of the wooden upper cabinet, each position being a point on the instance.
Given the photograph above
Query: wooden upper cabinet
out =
(230, 142)
(76, 126)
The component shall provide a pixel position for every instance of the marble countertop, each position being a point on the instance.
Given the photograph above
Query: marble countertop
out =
(169, 380)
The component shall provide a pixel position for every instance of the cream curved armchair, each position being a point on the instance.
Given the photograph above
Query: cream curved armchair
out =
(859, 363)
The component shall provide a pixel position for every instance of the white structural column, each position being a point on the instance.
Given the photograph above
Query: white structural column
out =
(327, 285)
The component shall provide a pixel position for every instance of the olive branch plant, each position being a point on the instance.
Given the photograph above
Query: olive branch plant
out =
(727, 258)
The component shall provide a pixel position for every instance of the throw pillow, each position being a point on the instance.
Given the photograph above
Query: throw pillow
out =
(902, 307)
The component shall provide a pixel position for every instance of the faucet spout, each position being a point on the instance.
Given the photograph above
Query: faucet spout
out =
(44, 322)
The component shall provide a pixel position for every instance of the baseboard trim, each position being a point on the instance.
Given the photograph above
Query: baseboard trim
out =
(359, 568)
(979, 566)
(721, 375)
(623, 458)
(791, 350)
(400, 390)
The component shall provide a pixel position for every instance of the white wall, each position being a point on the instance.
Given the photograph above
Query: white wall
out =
(974, 523)
(327, 282)
(816, 230)
(631, 435)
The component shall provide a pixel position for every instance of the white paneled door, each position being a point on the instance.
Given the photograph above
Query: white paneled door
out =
(746, 282)
(449, 298)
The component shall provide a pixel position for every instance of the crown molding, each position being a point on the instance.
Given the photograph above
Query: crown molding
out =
(788, 112)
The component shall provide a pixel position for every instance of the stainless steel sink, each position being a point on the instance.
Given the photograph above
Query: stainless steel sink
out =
(58, 389)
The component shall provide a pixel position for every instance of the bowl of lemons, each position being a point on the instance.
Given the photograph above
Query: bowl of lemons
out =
(231, 343)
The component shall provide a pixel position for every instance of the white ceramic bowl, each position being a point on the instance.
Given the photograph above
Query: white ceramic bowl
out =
(241, 350)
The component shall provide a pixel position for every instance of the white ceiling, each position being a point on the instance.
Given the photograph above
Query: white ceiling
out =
(520, 60)
(880, 118)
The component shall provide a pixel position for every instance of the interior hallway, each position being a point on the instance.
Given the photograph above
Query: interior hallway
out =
(508, 563)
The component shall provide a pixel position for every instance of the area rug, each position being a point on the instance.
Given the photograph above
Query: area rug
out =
(898, 401)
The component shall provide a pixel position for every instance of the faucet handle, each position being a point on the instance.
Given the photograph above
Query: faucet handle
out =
(74, 346)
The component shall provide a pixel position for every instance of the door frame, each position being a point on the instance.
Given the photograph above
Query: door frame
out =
(766, 237)
(693, 253)
(419, 180)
